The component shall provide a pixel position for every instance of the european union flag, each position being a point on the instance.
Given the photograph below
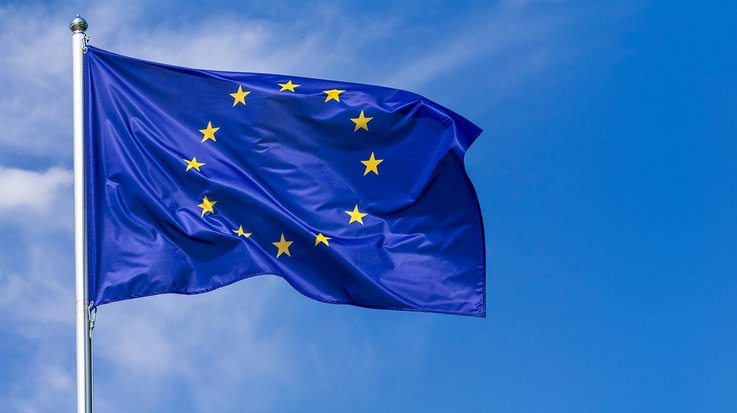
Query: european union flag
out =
(353, 194)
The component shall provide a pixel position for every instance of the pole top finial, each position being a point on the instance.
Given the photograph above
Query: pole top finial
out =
(78, 25)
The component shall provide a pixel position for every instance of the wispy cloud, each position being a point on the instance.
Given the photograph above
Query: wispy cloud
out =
(514, 43)
(219, 42)
(35, 106)
(37, 306)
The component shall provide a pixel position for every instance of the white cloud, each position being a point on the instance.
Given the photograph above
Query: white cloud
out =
(38, 191)
(35, 106)
(38, 317)
(215, 343)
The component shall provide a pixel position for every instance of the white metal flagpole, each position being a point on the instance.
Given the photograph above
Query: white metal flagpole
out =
(78, 27)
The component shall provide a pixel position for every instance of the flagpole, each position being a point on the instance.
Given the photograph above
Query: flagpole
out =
(78, 26)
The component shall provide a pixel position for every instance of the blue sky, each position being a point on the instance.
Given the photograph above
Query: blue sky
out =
(606, 175)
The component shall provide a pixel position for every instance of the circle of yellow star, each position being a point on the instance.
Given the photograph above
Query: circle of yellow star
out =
(333, 94)
(361, 122)
(355, 215)
(193, 164)
(239, 96)
(287, 86)
(239, 232)
(209, 132)
(321, 238)
(372, 165)
(207, 205)
(283, 246)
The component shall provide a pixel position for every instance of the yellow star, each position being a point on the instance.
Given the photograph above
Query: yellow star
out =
(206, 206)
(283, 246)
(239, 96)
(361, 122)
(321, 238)
(193, 164)
(287, 86)
(356, 216)
(333, 94)
(371, 165)
(209, 132)
(239, 232)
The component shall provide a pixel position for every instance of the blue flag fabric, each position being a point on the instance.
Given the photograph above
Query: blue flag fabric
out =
(354, 194)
